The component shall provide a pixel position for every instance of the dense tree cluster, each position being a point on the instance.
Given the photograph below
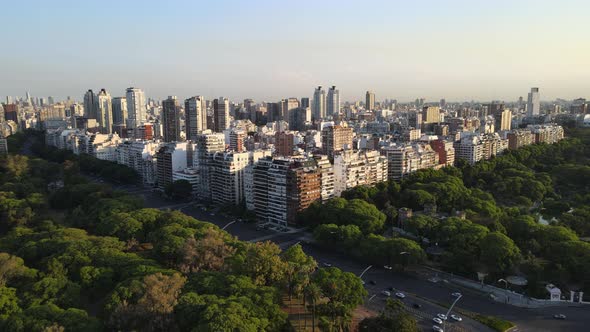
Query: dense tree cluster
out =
(79, 256)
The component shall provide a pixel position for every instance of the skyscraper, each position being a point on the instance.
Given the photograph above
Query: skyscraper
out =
(136, 109)
(171, 119)
(370, 101)
(533, 106)
(506, 120)
(333, 101)
(89, 104)
(287, 109)
(319, 104)
(221, 114)
(104, 111)
(305, 102)
(195, 114)
(119, 110)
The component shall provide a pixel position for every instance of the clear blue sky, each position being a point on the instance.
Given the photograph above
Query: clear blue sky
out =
(457, 49)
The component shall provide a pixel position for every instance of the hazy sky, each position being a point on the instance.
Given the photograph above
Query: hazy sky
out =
(267, 50)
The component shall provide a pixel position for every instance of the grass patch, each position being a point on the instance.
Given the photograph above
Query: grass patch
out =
(495, 323)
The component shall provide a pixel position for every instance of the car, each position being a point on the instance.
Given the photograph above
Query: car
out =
(400, 295)
(417, 306)
(456, 318)
(437, 328)
(391, 288)
(386, 293)
(559, 316)
(442, 316)
(372, 282)
(437, 320)
(387, 267)
(456, 294)
(326, 264)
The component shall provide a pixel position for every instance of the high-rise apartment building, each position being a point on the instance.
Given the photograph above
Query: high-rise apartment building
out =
(287, 109)
(171, 119)
(104, 112)
(195, 114)
(90, 105)
(336, 138)
(282, 187)
(319, 104)
(353, 169)
(221, 114)
(284, 143)
(506, 120)
(119, 111)
(431, 114)
(333, 101)
(533, 104)
(170, 158)
(370, 100)
(136, 107)
(236, 140)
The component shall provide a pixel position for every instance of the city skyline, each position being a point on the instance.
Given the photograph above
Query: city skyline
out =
(453, 50)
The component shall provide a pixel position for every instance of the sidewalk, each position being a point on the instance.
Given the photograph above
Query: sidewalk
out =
(495, 293)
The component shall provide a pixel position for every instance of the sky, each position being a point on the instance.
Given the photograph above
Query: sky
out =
(272, 49)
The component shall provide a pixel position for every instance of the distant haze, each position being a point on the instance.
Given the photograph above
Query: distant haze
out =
(267, 50)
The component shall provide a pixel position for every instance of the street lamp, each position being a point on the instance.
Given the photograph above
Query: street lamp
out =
(229, 223)
(505, 288)
(367, 269)
(449, 311)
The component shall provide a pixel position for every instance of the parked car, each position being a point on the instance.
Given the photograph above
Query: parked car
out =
(372, 282)
(387, 267)
(442, 316)
(437, 328)
(417, 306)
(456, 318)
(400, 295)
(326, 264)
(386, 293)
(437, 320)
(559, 316)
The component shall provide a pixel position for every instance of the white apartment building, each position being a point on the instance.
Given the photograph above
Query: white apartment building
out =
(353, 169)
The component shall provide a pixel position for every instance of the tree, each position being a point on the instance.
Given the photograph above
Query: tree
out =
(298, 270)
(17, 165)
(363, 214)
(261, 262)
(179, 189)
(393, 319)
(498, 252)
(344, 291)
(8, 303)
(153, 310)
(207, 253)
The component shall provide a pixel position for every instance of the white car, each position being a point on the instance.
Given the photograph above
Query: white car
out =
(437, 320)
(442, 316)
(386, 293)
(387, 267)
(457, 318)
(400, 295)
(437, 328)
(327, 265)
(456, 294)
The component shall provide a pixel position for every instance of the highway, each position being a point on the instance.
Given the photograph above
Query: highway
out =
(417, 288)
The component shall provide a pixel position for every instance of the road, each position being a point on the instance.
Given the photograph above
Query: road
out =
(417, 288)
